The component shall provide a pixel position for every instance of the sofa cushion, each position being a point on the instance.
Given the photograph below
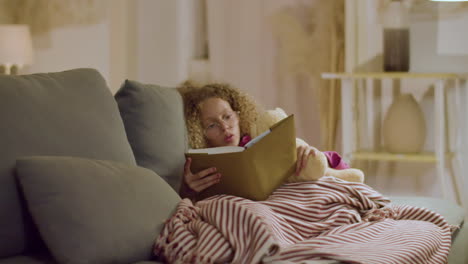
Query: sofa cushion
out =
(68, 113)
(154, 121)
(93, 211)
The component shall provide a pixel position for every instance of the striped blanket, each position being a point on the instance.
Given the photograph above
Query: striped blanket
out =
(328, 219)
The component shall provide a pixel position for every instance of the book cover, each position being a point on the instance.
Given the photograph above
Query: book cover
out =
(253, 171)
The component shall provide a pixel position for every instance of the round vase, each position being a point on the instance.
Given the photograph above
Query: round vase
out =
(404, 127)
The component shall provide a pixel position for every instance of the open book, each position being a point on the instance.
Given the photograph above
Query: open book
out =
(255, 170)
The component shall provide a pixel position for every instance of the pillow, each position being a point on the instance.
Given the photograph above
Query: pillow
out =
(70, 113)
(94, 211)
(154, 121)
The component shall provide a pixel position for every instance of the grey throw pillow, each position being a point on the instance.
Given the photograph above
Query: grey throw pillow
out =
(94, 211)
(154, 121)
(70, 113)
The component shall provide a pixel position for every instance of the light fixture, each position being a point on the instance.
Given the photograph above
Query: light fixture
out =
(15, 46)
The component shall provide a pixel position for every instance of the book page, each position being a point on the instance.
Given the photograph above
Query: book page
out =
(217, 150)
(229, 149)
(257, 138)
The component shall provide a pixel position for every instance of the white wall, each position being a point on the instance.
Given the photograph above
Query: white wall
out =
(166, 40)
(145, 40)
(426, 53)
(122, 34)
(72, 47)
(450, 41)
(157, 41)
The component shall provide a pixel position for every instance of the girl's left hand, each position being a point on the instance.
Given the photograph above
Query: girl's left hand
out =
(303, 153)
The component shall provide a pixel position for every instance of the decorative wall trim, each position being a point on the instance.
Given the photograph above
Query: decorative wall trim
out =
(44, 15)
(428, 10)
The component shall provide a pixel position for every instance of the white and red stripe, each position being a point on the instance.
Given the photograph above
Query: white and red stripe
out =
(326, 219)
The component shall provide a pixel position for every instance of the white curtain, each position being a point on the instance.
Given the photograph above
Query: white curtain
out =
(276, 50)
(244, 53)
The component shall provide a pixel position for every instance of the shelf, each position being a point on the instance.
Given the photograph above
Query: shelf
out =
(357, 88)
(387, 156)
(393, 75)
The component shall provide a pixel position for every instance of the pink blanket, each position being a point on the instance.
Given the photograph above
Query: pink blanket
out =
(326, 219)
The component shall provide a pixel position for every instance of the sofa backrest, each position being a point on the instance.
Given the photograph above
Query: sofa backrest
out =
(71, 113)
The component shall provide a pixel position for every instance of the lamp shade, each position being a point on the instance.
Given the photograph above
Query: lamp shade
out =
(15, 45)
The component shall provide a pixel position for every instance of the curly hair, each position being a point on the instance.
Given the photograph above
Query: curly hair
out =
(239, 101)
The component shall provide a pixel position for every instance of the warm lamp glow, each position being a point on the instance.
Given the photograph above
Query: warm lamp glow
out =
(15, 46)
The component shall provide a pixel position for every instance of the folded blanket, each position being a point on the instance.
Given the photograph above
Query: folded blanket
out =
(326, 219)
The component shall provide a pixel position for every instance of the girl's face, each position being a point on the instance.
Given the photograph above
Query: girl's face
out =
(220, 123)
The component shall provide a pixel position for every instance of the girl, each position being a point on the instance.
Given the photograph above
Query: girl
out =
(220, 115)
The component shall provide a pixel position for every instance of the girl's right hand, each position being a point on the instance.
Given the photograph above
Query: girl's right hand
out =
(201, 180)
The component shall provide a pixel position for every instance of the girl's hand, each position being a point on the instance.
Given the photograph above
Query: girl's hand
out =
(201, 180)
(303, 153)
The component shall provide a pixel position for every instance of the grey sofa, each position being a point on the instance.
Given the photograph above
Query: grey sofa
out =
(86, 177)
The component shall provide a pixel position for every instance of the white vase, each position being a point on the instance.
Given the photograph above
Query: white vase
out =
(404, 127)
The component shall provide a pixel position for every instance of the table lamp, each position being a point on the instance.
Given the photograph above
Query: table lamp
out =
(15, 47)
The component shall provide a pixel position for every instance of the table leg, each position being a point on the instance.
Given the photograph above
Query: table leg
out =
(347, 99)
(459, 128)
(439, 135)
